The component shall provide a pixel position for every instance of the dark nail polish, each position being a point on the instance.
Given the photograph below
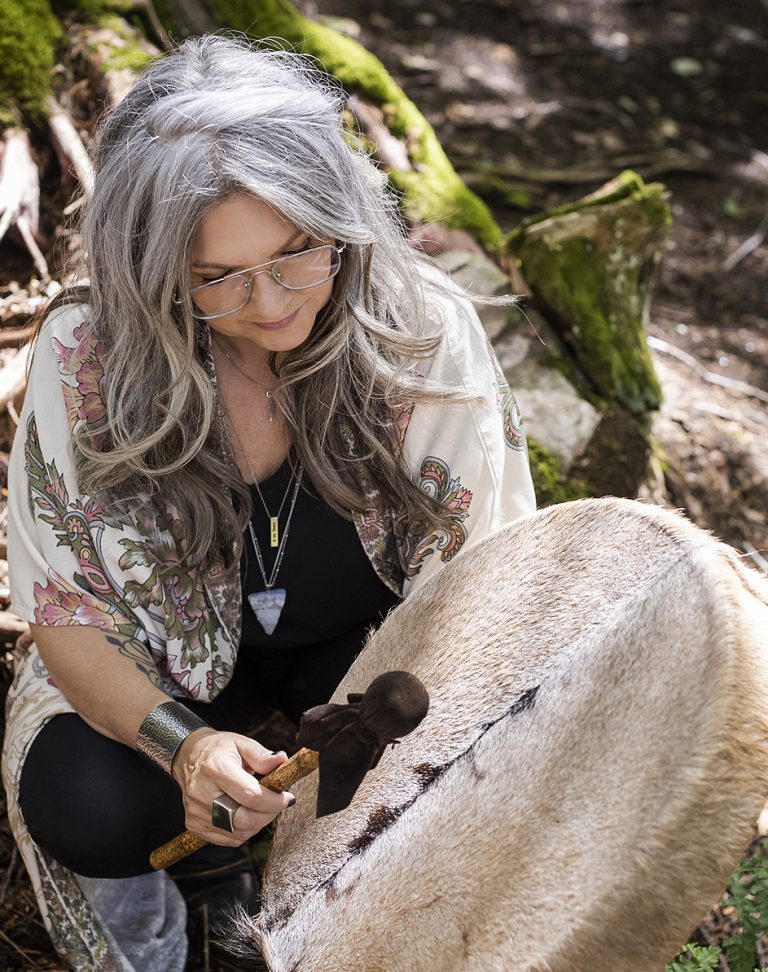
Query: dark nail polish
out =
(291, 801)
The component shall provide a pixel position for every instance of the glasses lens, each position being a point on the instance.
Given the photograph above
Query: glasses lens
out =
(297, 272)
(221, 296)
(307, 269)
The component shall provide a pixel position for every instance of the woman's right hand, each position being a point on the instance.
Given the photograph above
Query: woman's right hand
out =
(209, 763)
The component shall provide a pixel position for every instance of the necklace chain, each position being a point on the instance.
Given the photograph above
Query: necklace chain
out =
(269, 584)
(273, 520)
(271, 404)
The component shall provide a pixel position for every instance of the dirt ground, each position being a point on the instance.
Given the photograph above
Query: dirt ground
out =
(567, 94)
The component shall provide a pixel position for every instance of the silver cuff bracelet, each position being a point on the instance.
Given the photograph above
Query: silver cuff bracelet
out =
(164, 730)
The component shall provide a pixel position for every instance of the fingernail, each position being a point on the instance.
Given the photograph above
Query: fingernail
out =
(291, 801)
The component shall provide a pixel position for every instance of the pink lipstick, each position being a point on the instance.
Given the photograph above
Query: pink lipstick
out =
(276, 325)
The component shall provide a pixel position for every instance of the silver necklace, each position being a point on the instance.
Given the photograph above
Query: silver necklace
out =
(268, 604)
(271, 403)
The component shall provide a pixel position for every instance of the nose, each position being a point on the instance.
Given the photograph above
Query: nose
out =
(269, 300)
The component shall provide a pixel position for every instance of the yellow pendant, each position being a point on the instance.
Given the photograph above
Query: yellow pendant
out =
(274, 539)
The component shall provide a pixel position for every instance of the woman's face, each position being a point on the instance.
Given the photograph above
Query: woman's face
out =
(241, 232)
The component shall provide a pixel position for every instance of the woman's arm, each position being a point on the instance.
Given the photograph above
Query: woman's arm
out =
(109, 679)
(112, 683)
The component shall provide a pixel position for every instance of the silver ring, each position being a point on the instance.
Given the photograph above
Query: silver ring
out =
(223, 811)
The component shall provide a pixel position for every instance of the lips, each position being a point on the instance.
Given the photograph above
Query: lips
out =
(276, 325)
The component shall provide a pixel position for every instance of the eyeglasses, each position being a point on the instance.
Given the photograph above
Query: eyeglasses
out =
(299, 271)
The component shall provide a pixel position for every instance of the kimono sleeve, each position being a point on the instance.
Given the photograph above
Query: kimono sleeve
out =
(472, 457)
(56, 535)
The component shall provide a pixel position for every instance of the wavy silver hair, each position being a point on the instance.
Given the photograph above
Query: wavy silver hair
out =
(219, 116)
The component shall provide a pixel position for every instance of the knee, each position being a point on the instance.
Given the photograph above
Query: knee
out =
(93, 804)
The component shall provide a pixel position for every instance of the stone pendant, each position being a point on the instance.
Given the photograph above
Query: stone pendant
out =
(271, 407)
(268, 606)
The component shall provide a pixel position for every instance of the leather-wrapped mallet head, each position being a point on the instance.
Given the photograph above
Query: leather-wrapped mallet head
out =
(351, 738)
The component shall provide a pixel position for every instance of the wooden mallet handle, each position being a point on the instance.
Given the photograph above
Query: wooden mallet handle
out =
(280, 779)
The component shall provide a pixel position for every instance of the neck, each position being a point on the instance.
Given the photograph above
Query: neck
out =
(248, 361)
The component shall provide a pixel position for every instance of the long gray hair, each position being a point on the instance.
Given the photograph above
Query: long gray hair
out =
(219, 116)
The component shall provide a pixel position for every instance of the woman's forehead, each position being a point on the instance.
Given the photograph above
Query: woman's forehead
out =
(242, 230)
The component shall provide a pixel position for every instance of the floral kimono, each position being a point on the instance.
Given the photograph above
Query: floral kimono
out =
(74, 561)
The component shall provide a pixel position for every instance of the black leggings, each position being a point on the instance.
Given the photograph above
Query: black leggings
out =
(97, 806)
(100, 809)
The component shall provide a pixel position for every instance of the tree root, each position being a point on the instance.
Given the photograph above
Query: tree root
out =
(72, 152)
(20, 193)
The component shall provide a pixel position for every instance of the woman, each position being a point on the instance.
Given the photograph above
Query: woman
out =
(264, 421)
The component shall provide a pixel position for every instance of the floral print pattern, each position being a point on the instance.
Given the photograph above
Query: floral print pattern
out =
(83, 363)
(421, 541)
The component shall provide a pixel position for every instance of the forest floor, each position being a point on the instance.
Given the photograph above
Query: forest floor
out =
(564, 95)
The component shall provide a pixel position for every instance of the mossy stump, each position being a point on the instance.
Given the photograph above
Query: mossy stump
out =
(591, 266)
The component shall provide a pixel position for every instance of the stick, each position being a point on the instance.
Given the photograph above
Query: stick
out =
(279, 780)
(70, 144)
(712, 377)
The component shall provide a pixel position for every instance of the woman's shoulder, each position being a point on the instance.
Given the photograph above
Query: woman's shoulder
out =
(464, 346)
(66, 340)
(67, 323)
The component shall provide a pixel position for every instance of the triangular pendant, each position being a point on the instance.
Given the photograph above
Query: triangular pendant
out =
(268, 606)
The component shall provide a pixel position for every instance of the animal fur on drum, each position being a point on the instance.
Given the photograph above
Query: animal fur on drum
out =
(591, 768)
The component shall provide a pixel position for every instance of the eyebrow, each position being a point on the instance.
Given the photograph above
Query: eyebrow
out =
(228, 266)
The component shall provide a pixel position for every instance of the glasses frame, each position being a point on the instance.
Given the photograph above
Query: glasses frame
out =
(268, 267)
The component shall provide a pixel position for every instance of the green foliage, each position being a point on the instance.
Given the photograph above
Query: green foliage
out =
(748, 897)
(27, 55)
(695, 958)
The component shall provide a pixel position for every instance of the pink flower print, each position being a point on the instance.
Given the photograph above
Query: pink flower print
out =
(56, 605)
(461, 499)
(85, 362)
(90, 384)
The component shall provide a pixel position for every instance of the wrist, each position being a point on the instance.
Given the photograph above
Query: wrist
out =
(164, 730)
(186, 754)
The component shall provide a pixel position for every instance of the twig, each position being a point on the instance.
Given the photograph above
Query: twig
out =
(8, 873)
(14, 337)
(13, 376)
(750, 244)
(391, 150)
(758, 558)
(21, 951)
(758, 425)
(70, 144)
(20, 193)
(688, 359)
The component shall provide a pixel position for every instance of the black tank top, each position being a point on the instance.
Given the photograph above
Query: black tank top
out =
(333, 598)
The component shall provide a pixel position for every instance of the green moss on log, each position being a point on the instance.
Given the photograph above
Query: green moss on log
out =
(591, 265)
(548, 480)
(27, 55)
(433, 191)
(118, 41)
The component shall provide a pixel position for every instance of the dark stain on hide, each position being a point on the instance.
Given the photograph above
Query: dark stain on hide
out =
(378, 821)
(383, 817)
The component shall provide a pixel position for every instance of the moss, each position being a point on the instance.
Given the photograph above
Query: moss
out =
(548, 480)
(127, 53)
(433, 192)
(591, 265)
(27, 55)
